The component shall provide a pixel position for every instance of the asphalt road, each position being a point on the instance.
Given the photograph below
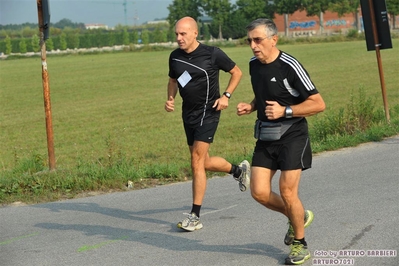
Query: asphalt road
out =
(353, 192)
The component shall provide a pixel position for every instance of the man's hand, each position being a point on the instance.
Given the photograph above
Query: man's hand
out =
(244, 109)
(170, 104)
(274, 110)
(221, 103)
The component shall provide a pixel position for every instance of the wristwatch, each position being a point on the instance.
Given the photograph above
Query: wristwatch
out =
(288, 112)
(227, 94)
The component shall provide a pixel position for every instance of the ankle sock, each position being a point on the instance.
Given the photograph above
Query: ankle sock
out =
(303, 242)
(196, 209)
(235, 170)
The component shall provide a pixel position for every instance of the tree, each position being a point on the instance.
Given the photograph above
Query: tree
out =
(28, 32)
(252, 9)
(63, 23)
(35, 43)
(63, 41)
(171, 37)
(72, 37)
(245, 11)
(235, 25)
(182, 8)
(134, 36)
(393, 10)
(22, 46)
(49, 44)
(55, 31)
(347, 6)
(8, 45)
(145, 37)
(218, 10)
(158, 35)
(317, 8)
(125, 37)
(205, 32)
(286, 8)
(85, 40)
(110, 39)
(3, 34)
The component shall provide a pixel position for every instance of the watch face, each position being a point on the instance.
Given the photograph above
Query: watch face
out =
(288, 112)
(228, 95)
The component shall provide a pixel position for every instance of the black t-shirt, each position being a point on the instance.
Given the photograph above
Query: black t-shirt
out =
(197, 75)
(285, 81)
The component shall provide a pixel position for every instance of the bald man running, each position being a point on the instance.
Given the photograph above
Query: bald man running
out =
(194, 72)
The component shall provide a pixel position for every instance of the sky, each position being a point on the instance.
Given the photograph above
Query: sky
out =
(109, 12)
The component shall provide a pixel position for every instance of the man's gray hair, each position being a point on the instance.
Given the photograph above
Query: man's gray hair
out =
(270, 26)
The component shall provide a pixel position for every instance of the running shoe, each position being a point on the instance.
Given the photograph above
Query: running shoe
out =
(191, 223)
(245, 177)
(298, 255)
(289, 237)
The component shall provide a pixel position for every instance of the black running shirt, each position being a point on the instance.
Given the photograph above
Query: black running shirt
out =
(284, 80)
(197, 75)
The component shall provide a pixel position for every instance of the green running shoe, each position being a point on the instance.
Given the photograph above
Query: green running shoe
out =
(298, 255)
(289, 236)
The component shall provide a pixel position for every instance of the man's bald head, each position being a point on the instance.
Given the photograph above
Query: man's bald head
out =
(186, 31)
(189, 22)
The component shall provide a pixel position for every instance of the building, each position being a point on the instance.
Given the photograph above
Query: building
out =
(152, 22)
(96, 26)
(299, 24)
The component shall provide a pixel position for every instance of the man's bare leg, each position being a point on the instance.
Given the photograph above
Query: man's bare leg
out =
(261, 181)
(289, 184)
(199, 153)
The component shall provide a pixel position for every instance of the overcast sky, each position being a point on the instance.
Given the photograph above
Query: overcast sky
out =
(109, 12)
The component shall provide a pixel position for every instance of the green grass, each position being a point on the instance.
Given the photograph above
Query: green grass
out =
(110, 125)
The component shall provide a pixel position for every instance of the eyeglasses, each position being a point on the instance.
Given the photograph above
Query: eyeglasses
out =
(256, 40)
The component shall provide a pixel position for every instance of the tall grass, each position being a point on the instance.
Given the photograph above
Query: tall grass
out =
(110, 125)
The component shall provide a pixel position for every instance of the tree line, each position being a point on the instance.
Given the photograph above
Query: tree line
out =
(26, 39)
(216, 18)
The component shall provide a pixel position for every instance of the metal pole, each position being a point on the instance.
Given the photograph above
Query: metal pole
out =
(377, 50)
(46, 91)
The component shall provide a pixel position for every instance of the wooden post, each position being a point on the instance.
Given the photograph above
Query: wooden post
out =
(46, 91)
(377, 51)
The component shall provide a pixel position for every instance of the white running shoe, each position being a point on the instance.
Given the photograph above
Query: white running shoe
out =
(245, 178)
(191, 223)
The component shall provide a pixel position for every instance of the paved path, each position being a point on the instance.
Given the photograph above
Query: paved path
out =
(353, 192)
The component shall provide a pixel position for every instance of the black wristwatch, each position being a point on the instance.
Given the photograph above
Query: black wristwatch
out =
(288, 112)
(227, 94)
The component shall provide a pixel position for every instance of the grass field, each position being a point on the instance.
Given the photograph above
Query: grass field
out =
(105, 106)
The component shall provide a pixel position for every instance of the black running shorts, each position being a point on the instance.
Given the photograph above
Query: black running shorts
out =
(204, 133)
(295, 154)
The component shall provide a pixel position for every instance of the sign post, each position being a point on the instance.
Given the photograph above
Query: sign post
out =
(44, 24)
(376, 27)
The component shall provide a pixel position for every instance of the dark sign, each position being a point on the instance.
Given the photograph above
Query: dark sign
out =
(381, 23)
(46, 18)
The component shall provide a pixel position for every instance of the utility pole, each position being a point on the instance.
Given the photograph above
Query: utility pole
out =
(124, 3)
(135, 18)
(125, 9)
